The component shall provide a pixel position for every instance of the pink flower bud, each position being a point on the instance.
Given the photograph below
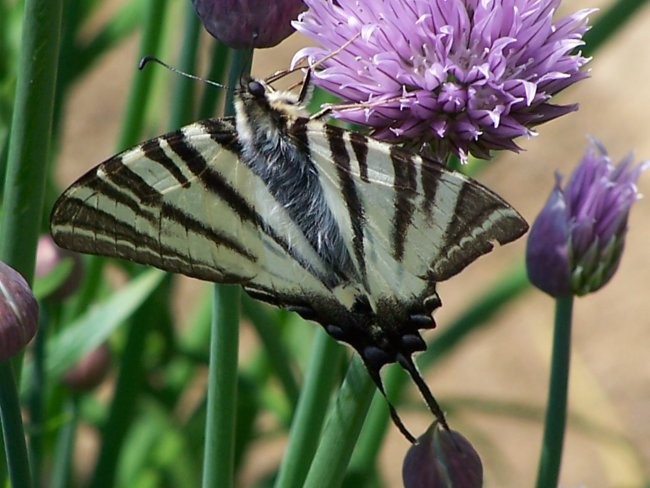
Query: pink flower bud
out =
(441, 459)
(18, 312)
(249, 23)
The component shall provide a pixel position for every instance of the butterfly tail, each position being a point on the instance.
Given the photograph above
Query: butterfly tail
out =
(409, 366)
(376, 378)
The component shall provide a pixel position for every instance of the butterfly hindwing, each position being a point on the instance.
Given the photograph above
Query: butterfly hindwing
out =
(408, 221)
(348, 231)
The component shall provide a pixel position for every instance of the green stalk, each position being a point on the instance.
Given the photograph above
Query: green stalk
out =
(136, 107)
(221, 415)
(556, 410)
(322, 373)
(31, 127)
(184, 88)
(12, 430)
(342, 428)
(23, 197)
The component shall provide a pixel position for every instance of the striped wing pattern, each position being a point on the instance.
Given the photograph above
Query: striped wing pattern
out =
(348, 231)
(183, 203)
(408, 221)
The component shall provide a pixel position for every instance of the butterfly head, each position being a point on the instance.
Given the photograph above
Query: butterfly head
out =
(254, 92)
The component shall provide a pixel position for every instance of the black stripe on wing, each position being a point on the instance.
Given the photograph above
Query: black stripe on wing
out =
(478, 212)
(359, 144)
(154, 152)
(95, 231)
(215, 183)
(405, 187)
(352, 200)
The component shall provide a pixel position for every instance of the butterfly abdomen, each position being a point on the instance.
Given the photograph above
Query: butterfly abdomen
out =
(276, 148)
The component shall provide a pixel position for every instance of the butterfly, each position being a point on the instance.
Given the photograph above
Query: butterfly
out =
(348, 231)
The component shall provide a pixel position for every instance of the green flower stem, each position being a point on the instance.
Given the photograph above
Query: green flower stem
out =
(221, 415)
(136, 106)
(31, 126)
(556, 410)
(219, 451)
(12, 430)
(322, 373)
(23, 196)
(342, 428)
(183, 106)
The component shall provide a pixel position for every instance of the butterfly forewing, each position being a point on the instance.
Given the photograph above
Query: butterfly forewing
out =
(183, 203)
(348, 231)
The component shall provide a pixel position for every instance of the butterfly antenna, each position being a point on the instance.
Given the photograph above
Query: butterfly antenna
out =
(305, 81)
(407, 363)
(376, 378)
(153, 59)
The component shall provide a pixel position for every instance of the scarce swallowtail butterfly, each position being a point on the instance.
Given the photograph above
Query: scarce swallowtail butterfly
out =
(346, 230)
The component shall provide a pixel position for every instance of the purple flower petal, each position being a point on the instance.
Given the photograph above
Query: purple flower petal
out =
(576, 242)
(547, 254)
(494, 64)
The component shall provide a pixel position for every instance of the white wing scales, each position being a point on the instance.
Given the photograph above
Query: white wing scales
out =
(348, 231)
(420, 223)
(184, 203)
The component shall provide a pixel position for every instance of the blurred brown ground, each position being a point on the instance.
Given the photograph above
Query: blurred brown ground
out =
(507, 362)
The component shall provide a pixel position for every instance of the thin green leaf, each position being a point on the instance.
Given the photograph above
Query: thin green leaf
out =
(94, 327)
(45, 285)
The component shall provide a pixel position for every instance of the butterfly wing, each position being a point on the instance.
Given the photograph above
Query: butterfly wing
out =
(184, 203)
(408, 221)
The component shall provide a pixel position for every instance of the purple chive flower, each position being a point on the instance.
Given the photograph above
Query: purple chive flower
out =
(457, 76)
(18, 312)
(576, 242)
(442, 458)
(249, 23)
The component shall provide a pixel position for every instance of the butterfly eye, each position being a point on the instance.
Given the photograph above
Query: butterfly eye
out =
(256, 89)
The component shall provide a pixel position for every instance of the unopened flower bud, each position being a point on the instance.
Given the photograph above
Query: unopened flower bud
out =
(249, 23)
(442, 459)
(576, 242)
(90, 371)
(48, 256)
(18, 312)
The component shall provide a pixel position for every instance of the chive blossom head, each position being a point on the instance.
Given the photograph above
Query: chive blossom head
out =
(455, 76)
